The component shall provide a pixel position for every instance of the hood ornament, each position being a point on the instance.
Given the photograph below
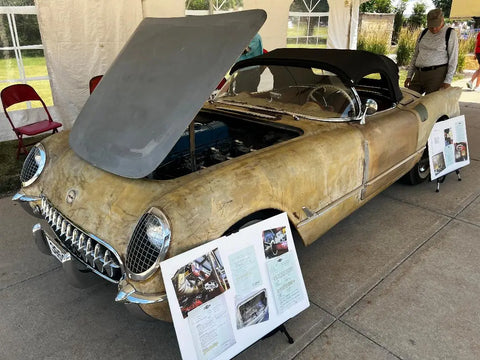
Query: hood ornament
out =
(71, 195)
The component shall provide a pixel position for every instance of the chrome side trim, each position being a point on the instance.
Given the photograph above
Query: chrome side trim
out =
(329, 207)
(366, 163)
(128, 295)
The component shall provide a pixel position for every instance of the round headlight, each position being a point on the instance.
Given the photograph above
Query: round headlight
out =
(148, 245)
(33, 165)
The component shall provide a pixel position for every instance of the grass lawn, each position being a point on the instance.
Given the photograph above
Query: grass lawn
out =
(11, 167)
(34, 66)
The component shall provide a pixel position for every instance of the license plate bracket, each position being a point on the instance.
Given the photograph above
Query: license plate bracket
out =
(57, 252)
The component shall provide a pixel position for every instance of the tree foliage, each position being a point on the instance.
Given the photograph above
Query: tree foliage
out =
(377, 6)
(419, 16)
(445, 5)
(216, 4)
(309, 6)
(399, 19)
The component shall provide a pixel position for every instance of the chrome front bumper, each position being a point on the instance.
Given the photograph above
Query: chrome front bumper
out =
(77, 273)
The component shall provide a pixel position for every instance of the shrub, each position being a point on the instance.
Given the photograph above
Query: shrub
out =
(463, 49)
(376, 43)
(406, 45)
(470, 42)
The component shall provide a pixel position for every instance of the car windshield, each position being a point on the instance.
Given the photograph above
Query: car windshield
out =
(304, 92)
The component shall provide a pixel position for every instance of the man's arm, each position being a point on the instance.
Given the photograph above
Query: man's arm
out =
(452, 51)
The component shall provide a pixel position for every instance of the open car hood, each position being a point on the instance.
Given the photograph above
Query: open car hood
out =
(155, 87)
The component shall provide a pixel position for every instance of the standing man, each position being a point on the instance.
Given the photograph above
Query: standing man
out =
(435, 58)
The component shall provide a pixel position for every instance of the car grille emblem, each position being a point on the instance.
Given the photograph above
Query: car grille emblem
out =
(71, 195)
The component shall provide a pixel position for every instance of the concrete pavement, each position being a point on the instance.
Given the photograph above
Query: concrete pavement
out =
(398, 279)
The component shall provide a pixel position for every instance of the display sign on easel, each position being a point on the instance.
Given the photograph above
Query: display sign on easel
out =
(229, 293)
(448, 147)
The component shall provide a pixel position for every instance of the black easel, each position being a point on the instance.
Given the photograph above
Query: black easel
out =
(282, 329)
(442, 179)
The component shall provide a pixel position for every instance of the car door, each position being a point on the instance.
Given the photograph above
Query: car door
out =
(390, 143)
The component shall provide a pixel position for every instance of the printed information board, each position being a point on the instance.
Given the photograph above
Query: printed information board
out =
(448, 147)
(227, 294)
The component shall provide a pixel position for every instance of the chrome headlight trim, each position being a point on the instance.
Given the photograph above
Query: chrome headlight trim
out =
(154, 229)
(38, 155)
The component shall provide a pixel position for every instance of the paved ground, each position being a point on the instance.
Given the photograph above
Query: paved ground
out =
(398, 279)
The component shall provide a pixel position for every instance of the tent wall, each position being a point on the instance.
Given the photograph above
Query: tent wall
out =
(82, 38)
(274, 31)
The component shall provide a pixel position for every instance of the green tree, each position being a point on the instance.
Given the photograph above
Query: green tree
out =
(399, 19)
(377, 6)
(309, 6)
(419, 17)
(445, 5)
(216, 4)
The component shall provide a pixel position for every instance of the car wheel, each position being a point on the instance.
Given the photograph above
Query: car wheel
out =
(420, 172)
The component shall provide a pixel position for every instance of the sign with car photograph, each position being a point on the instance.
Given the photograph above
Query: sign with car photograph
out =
(448, 147)
(232, 291)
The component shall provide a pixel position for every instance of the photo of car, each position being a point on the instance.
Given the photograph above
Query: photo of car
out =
(159, 167)
(274, 242)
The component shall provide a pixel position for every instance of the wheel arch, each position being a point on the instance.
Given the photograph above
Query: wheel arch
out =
(261, 215)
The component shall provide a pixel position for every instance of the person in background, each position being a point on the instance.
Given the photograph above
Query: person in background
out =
(253, 49)
(434, 61)
(476, 75)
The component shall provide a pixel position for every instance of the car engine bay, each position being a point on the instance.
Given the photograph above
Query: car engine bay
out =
(218, 138)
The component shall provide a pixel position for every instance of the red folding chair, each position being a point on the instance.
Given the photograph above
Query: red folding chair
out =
(94, 82)
(20, 93)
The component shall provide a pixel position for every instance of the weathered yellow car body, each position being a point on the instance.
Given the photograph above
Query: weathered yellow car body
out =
(317, 178)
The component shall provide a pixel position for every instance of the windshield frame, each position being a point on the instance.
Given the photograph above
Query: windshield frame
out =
(265, 93)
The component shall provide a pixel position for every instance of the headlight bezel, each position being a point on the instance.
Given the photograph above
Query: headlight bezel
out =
(42, 160)
(151, 218)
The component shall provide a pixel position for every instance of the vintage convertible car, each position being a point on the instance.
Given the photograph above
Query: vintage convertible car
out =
(151, 170)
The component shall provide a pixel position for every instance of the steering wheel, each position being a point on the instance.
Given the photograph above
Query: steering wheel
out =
(322, 95)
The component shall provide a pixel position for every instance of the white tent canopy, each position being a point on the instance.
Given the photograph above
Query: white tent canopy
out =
(81, 39)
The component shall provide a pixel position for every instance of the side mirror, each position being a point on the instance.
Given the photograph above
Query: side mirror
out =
(369, 108)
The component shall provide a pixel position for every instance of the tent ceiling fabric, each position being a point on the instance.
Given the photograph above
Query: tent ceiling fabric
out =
(465, 9)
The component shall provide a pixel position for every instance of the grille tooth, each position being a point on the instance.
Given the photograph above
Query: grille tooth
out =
(58, 223)
(63, 227)
(98, 257)
(81, 243)
(50, 214)
(89, 252)
(68, 232)
(109, 266)
(75, 238)
(86, 249)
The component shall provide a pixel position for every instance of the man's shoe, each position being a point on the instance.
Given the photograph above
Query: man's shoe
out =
(470, 85)
(477, 89)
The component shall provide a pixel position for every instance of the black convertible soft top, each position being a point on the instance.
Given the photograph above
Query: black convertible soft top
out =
(351, 65)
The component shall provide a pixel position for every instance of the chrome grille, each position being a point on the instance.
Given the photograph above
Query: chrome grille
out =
(30, 166)
(87, 248)
(141, 254)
